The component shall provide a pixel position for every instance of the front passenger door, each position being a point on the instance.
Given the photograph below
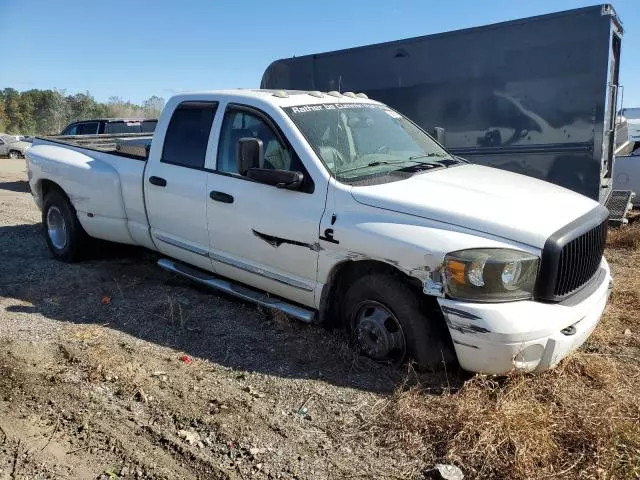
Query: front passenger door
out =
(262, 235)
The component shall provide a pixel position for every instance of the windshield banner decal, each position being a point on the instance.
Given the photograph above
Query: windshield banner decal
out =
(334, 106)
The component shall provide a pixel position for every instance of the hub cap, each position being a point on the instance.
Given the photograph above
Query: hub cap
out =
(379, 333)
(56, 228)
(13, 155)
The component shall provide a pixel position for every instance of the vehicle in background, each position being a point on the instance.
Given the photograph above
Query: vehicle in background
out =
(536, 96)
(627, 175)
(109, 126)
(627, 171)
(337, 209)
(12, 148)
(629, 129)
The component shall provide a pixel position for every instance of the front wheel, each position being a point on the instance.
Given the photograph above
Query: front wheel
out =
(390, 323)
(15, 154)
(65, 237)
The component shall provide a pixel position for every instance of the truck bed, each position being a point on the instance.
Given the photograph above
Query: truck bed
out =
(105, 175)
(130, 145)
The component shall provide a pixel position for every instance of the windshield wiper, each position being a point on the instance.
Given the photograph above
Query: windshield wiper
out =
(396, 162)
(447, 160)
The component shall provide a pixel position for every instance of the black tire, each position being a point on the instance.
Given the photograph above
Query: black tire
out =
(14, 154)
(74, 246)
(426, 339)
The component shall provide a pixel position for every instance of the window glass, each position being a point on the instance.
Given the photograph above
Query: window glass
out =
(188, 134)
(357, 140)
(70, 130)
(90, 128)
(148, 126)
(122, 127)
(239, 124)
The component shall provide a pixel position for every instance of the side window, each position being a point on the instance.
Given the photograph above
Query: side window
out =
(1, 142)
(71, 130)
(239, 124)
(89, 128)
(187, 135)
(148, 126)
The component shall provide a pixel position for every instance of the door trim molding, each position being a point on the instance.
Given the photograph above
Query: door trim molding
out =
(182, 245)
(247, 267)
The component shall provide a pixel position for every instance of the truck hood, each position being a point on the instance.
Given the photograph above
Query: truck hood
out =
(488, 200)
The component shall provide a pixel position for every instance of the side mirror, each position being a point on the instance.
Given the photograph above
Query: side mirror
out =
(249, 154)
(439, 134)
(277, 178)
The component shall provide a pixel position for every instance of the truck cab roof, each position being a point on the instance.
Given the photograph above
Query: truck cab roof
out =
(278, 98)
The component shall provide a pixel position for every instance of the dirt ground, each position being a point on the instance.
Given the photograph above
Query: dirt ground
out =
(113, 368)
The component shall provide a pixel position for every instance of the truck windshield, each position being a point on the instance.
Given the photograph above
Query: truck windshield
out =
(356, 140)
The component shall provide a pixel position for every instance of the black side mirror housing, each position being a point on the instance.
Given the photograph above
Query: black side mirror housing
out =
(249, 154)
(277, 178)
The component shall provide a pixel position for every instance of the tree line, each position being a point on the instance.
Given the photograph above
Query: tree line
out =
(47, 112)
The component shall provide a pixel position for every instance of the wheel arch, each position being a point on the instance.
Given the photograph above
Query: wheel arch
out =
(45, 186)
(345, 272)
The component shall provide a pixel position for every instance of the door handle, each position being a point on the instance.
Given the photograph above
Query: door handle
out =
(221, 197)
(160, 182)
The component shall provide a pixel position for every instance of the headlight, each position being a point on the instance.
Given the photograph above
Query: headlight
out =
(490, 274)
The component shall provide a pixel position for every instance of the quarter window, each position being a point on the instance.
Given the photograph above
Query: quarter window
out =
(72, 130)
(239, 124)
(187, 136)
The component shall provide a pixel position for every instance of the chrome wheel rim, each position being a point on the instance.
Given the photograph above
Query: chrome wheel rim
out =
(379, 333)
(56, 228)
(13, 155)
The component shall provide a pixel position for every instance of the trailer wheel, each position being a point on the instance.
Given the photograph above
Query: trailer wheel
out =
(389, 323)
(65, 237)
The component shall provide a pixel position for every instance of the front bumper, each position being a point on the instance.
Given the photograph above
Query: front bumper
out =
(496, 338)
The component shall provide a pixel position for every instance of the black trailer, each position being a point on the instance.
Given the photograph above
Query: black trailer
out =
(535, 96)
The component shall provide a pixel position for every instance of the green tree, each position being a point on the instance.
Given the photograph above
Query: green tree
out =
(153, 106)
(48, 111)
(12, 109)
(3, 117)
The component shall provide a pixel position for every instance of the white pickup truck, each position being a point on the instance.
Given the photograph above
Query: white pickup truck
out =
(335, 208)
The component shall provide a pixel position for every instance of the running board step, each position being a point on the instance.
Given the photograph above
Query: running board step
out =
(619, 203)
(237, 290)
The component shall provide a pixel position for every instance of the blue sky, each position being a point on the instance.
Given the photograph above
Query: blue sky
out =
(135, 49)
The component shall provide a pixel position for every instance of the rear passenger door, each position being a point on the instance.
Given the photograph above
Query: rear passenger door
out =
(176, 185)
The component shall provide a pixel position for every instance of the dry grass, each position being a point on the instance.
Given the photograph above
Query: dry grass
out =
(581, 420)
(627, 237)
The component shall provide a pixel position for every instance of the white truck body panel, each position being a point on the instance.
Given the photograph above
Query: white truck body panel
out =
(408, 224)
(477, 196)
